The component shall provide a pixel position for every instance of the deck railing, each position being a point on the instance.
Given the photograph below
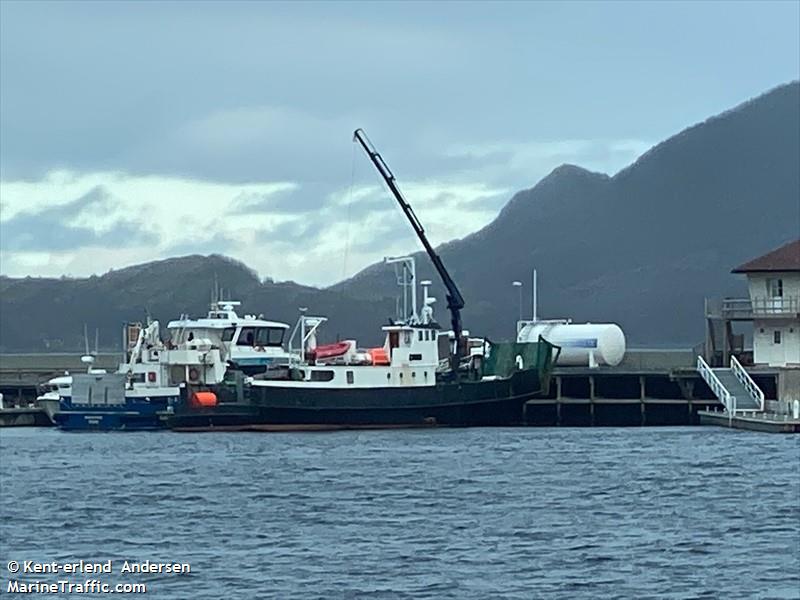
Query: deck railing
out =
(720, 391)
(744, 377)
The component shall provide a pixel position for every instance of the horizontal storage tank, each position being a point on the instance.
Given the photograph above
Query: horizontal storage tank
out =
(582, 344)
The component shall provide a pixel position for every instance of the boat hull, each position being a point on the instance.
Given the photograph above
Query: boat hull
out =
(496, 402)
(134, 415)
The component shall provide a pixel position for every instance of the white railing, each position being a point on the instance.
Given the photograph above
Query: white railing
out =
(748, 383)
(760, 306)
(720, 391)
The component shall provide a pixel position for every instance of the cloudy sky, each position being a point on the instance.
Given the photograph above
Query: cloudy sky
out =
(136, 131)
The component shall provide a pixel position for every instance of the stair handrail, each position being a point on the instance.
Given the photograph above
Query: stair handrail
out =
(721, 392)
(744, 377)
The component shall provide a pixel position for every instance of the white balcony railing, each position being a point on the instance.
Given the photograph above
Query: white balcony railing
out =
(760, 307)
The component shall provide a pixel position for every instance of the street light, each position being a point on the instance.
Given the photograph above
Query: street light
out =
(518, 285)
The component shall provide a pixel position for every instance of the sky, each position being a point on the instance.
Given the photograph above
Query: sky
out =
(132, 132)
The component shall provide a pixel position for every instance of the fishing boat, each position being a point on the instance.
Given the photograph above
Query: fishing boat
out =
(141, 393)
(421, 376)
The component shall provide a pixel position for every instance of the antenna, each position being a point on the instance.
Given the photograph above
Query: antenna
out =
(96, 339)
(406, 279)
(534, 296)
(86, 358)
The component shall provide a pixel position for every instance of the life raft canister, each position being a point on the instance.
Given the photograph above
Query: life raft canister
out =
(379, 356)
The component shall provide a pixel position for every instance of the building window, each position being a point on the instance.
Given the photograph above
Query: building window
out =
(775, 288)
(349, 377)
(776, 336)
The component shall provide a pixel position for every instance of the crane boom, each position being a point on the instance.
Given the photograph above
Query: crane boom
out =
(455, 302)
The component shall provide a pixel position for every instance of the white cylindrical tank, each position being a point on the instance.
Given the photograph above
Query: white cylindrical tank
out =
(582, 344)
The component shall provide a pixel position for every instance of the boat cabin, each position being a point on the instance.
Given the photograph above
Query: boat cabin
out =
(248, 341)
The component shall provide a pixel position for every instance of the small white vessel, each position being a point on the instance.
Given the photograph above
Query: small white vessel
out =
(248, 343)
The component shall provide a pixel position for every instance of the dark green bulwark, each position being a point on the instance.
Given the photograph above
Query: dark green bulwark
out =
(505, 358)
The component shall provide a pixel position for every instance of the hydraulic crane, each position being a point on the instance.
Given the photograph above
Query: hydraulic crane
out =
(455, 302)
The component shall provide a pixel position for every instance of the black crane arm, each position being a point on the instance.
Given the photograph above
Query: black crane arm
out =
(455, 302)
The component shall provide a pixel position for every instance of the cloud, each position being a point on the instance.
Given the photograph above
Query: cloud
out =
(56, 228)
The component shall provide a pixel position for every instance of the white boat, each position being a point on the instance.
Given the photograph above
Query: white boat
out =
(144, 387)
(248, 343)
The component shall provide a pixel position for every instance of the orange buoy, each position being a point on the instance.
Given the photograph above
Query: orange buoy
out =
(204, 399)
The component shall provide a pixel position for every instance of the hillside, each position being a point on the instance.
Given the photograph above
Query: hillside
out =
(642, 248)
(39, 314)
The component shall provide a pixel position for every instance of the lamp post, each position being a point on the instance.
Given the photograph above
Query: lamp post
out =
(518, 285)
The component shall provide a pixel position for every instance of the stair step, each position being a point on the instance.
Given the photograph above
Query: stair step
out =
(735, 388)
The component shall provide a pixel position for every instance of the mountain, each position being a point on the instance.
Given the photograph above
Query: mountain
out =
(644, 247)
(641, 248)
(43, 314)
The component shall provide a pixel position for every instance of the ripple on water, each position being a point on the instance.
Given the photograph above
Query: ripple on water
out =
(478, 513)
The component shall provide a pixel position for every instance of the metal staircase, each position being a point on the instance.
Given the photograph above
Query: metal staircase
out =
(733, 386)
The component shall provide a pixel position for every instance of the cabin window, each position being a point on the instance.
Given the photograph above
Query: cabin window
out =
(776, 336)
(421, 335)
(415, 357)
(321, 375)
(227, 334)
(394, 339)
(349, 377)
(407, 337)
(246, 336)
(269, 336)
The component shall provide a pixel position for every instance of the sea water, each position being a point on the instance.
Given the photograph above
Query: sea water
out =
(437, 513)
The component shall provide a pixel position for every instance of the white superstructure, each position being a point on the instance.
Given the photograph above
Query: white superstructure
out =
(249, 342)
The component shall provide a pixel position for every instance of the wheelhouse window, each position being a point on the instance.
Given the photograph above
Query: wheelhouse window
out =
(269, 336)
(228, 333)
(247, 336)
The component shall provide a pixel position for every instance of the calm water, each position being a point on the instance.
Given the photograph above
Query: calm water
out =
(478, 513)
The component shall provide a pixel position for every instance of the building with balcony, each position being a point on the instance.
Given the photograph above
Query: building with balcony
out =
(773, 306)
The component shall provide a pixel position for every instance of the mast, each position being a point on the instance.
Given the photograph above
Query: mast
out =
(455, 302)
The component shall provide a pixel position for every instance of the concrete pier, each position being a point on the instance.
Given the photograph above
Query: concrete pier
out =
(755, 421)
(649, 388)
